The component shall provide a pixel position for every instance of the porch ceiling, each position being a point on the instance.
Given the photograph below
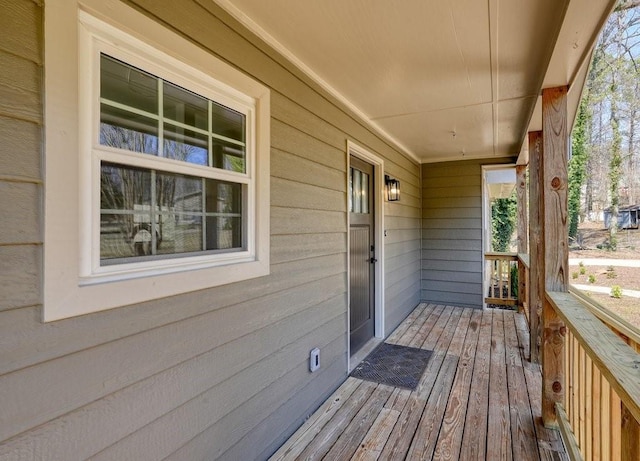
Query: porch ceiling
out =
(443, 80)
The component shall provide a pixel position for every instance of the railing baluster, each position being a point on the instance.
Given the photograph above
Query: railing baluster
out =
(605, 432)
(630, 434)
(500, 279)
(507, 265)
(568, 395)
(582, 360)
(589, 408)
(596, 420)
(616, 427)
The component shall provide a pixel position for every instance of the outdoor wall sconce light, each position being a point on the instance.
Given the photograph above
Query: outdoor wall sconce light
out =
(393, 188)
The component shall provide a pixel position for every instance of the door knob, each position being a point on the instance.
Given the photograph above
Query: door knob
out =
(373, 260)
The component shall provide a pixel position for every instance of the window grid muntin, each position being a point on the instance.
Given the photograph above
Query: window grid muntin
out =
(161, 119)
(160, 162)
(156, 214)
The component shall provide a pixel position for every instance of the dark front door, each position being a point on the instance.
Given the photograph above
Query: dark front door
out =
(361, 253)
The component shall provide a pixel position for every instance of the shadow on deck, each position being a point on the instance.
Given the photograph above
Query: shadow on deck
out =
(478, 399)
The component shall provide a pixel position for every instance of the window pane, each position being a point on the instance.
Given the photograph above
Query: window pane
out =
(148, 213)
(357, 203)
(185, 145)
(187, 196)
(124, 188)
(228, 156)
(126, 130)
(228, 123)
(179, 201)
(351, 190)
(358, 191)
(364, 193)
(182, 233)
(115, 236)
(125, 202)
(224, 233)
(127, 85)
(224, 215)
(185, 107)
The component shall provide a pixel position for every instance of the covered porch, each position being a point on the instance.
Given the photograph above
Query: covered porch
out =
(429, 93)
(479, 398)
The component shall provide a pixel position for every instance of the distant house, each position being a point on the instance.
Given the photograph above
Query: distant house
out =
(627, 217)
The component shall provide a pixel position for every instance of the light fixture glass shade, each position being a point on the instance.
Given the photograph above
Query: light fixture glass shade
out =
(393, 188)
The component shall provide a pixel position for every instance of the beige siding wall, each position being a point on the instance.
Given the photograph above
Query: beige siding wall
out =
(216, 374)
(452, 232)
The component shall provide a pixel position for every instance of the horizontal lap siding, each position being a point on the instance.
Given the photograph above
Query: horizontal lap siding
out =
(452, 232)
(402, 251)
(20, 172)
(216, 374)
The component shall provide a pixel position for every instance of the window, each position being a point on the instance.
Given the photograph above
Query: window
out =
(149, 213)
(169, 168)
(359, 191)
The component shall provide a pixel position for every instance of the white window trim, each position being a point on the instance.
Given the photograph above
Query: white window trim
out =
(73, 285)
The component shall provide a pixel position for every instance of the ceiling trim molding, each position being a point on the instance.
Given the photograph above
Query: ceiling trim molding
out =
(254, 27)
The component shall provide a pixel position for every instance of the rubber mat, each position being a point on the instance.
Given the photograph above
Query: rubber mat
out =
(394, 365)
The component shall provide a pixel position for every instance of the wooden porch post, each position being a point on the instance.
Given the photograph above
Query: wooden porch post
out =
(521, 198)
(536, 243)
(556, 253)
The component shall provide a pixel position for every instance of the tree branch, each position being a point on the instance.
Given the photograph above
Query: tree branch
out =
(627, 5)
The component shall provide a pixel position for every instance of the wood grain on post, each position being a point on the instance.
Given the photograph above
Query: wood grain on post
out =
(523, 225)
(536, 242)
(630, 436)
(554, 187)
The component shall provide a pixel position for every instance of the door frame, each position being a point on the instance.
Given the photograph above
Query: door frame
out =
(486, 222)
(378, 206)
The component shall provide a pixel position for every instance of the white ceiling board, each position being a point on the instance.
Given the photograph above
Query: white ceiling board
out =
(418, 70)
(421, 56)
(524, 30)
(431, 134)
(512, 119)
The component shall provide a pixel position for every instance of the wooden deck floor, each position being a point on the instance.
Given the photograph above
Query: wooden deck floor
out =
(479, 399)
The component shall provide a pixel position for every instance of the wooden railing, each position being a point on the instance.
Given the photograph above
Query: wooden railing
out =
(625, 331)
(600, 417)
(500, 278)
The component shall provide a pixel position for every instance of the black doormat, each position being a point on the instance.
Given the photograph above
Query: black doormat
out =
(398, 366)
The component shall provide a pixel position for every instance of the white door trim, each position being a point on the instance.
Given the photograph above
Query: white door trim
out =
(378, 168)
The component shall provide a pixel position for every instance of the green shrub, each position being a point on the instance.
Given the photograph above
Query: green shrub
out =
(611, 272)
(592, 278)
(514, 280)
(581, 264)
(583, 270)
(574, 275)
(616, 291)
(503, 221)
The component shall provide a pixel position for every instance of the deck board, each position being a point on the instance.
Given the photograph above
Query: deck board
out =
(499, 425)
(478, 387)
(450, 438)
(474, 442)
